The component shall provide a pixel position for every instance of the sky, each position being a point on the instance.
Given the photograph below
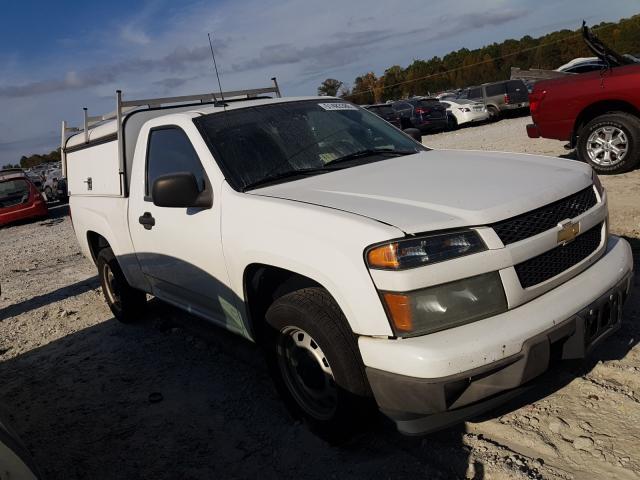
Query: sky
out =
(57, 57)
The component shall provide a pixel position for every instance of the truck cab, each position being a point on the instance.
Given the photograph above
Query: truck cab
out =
(368, 267)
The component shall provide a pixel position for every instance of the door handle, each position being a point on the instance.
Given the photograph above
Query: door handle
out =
(147, 221)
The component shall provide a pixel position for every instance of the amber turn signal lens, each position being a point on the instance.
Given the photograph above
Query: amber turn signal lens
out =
(399, 308)
(384, 256)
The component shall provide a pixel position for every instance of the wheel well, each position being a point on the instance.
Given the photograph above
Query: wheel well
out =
(264, 284)
(600, 108)
(96, 243)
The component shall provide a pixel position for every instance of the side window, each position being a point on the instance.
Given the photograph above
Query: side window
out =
(475, 92)
(584, 68)
(493, 90)
(170, 151)
(401, 107)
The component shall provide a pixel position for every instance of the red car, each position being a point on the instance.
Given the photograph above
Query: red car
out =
(598, 113)
(20, 199)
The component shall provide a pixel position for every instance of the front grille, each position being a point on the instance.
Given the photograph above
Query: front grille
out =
(537, 221)
(549, 264)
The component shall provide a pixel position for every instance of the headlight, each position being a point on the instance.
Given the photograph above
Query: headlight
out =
(416, 252)
(445, 306)
(597, 184)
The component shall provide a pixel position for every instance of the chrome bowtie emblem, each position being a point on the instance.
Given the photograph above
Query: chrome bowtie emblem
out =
(568, 231)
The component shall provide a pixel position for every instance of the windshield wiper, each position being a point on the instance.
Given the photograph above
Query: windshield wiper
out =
(370, 153)
(280, 176)
(327, 167)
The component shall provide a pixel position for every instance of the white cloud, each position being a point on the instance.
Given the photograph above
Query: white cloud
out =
(134, 34)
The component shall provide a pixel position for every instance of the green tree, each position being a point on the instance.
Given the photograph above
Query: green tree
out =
(33, 160)
(329, 87)
(366, 89)
(393, 82)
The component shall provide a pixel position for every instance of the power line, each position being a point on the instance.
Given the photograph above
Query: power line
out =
(438, 74)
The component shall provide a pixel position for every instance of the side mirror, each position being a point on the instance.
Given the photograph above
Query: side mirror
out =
(414, 133)
(180, 190)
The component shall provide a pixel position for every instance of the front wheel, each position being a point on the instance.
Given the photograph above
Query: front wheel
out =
(315, 363)
(611, 143)
(126, 303)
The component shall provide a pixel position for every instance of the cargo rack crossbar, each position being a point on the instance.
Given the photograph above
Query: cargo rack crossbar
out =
(123, 107)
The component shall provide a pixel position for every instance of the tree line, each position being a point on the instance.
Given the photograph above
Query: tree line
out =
(490, 63)
(36, 159)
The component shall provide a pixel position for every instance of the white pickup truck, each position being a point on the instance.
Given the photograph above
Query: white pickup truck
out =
(373, 270)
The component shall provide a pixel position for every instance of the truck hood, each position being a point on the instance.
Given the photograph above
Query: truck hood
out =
(440, 189)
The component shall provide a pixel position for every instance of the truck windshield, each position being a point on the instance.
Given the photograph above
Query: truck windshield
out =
(278, 142)
(13, 192)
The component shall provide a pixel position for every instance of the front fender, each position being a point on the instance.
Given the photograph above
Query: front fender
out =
(323, 244)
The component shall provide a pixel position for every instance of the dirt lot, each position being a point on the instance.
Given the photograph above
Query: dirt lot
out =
(77, 385)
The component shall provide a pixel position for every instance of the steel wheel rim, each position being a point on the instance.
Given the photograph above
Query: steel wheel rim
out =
(111, 285)
(607, 146)
(307, 373)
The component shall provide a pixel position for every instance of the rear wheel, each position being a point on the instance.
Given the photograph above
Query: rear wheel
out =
(494, 113)
(315, 363)
(126, 303)
(611, 143)
(452, 122)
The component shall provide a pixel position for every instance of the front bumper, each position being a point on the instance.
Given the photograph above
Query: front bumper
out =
(583, 312)
(469, 117)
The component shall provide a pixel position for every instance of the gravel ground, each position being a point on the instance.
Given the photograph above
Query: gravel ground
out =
(171, 397)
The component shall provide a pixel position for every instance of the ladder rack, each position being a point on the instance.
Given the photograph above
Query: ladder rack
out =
(124, 107)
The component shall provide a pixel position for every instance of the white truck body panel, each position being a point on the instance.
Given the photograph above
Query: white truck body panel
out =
(98, 163)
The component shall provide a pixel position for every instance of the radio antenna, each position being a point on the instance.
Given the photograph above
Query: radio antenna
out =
(215, 66)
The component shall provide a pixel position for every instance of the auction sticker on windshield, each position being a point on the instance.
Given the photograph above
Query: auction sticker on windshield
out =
(337, 106)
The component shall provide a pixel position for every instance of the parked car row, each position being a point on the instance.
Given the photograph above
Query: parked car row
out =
(49, 180)
(499, 97)
(451, 110)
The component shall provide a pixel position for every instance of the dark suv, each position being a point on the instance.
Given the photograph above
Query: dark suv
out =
(425, 114)
(500, 97)
(386, 112)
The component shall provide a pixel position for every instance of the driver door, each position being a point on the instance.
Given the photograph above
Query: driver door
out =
(179, 249)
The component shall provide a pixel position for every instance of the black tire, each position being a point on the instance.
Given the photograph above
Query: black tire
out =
(405, 123)
(625, 122)
(452, 122)
(126, 303)
(414, 133)
(313, 312)
(494, 113)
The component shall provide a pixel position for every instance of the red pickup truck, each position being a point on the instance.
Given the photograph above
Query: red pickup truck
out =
(598, 113)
